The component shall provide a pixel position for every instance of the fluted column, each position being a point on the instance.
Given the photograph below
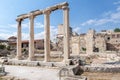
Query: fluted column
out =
(19, 54)
(47, 36)
(31, 39)
(66, 32)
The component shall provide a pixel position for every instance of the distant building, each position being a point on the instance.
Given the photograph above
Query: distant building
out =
(39, 44)
(12, 39)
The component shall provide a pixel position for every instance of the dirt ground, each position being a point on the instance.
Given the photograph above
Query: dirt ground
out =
(31, 73)
(102, 76)
(39, 73)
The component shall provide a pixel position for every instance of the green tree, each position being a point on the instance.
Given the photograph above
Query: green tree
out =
(2, 46)
(117, 30)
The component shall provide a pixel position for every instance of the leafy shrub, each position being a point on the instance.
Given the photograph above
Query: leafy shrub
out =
(84, 49)
(2, 46)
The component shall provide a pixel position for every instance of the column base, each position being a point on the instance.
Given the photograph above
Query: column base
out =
(46, 60)
(31, 58)
(18, 57)
(66, 61)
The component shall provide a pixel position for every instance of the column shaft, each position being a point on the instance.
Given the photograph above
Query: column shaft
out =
(66, 33)
(47, 37)
(19, 54)
(31, 40)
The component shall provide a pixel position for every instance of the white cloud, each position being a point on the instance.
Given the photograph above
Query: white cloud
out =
(6, 33)
(106, 14)
(113, 17)
(53, 32)
(39, 25)
(102, 21)
(13, 25)
(26, 25)
(39, 35)
(118, 8)
(118, 2)
(25, 36)
(4, 30)
(97, 22)
(5, 36)
(89, 22)
(76, 29)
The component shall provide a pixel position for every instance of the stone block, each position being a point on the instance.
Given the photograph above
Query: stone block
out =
(2, 71)
(75, 78)
(77, 70)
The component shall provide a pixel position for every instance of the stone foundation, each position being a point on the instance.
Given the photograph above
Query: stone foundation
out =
(35, 63)
(74, 78)
(108, 68)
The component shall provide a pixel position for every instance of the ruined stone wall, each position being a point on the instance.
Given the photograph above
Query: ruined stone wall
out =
(75, 44)
(61, 30)
(113, 41)
(90, 41)
(82, 43)
(60, 44)
(100, 43)
(94, 42)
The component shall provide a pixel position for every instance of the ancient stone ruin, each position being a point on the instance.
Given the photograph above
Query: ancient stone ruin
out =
(46, 12)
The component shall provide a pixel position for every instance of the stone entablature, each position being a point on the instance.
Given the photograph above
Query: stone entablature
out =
(40, 12)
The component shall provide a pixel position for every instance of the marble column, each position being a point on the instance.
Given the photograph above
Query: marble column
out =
(47, 36)
(19, 54)
(31, 39)
(66, 33)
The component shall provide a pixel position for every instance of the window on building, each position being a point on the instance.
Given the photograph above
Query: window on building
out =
(118, 35)
(113, 36)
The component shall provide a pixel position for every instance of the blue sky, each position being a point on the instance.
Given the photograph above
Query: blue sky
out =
(84, 14)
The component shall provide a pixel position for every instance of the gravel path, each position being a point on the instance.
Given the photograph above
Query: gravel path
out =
(32, 73)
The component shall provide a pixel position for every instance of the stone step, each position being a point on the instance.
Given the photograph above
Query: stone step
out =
(74, 78)
(35, 63)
